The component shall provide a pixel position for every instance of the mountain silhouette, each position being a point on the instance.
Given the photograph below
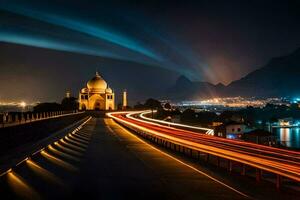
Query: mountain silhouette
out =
(280, 77)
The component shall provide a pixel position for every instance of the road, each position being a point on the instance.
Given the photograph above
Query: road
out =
(102, 160)
(279, 161)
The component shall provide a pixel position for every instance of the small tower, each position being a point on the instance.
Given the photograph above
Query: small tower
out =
(124, 100)
(68, 94)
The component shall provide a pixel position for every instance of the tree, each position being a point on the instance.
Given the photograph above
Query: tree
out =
(47, 107)
(139, 106)
(153, 104)
(206, 117)
(70, 103)
(168, 106)
(188, 115)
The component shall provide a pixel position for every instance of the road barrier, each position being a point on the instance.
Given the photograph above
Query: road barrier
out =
(16, 118)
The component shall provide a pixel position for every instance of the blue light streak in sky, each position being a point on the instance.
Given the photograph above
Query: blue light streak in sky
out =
(84, 27)
(36, 41)
(95, 39)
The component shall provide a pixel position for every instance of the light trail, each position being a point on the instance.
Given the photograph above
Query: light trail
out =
(249, 146)
(282, 162)
(185, 164)
(207, 130)
(212, 140)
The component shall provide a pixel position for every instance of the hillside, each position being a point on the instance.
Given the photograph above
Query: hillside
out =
(279, 77)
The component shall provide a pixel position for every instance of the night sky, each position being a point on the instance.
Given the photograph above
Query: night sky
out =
(48, 47)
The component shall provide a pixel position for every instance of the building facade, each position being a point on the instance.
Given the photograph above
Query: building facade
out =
(97, 95)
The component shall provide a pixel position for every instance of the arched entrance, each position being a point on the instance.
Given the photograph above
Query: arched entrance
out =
(99, 105)
(97, 102)
(83, 107)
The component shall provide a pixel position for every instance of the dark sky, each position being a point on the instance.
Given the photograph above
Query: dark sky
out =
(46, 47)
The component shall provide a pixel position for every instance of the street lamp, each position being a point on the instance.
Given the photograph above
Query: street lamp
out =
(23, 105)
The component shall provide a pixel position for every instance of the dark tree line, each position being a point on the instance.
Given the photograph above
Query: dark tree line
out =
(66, 104)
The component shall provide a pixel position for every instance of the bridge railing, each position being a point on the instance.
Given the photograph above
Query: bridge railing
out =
(16, 118)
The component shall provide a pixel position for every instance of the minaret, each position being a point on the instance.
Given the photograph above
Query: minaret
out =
(124, 99)
(68, 94)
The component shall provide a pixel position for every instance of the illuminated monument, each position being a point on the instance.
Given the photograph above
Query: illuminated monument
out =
(124, 100)
(97, 95)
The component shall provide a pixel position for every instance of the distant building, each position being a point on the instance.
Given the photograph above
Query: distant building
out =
(216, 123)
(285, 122)
(97, 95)
(231, 130)
(68, 94)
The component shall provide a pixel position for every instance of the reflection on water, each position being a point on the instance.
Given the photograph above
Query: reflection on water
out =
(289, 137)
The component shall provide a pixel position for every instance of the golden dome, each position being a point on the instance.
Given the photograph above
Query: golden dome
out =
(97, 83)
(108, 90)
(84, 90)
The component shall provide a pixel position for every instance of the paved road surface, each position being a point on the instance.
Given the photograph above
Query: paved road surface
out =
(105, 161)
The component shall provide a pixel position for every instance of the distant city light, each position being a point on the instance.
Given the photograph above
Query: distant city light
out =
(235, 102)
(23, 104)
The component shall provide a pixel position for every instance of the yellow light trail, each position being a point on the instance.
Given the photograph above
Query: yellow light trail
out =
(271, 164)
(234, 143)
(207, 130)
(185, 164)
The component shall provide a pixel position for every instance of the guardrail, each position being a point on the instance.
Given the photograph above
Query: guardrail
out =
(196, 149)
(13, 119)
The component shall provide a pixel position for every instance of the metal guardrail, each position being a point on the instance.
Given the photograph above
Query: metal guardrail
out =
(24, 118)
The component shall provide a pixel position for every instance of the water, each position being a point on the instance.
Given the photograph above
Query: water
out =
(289, 137)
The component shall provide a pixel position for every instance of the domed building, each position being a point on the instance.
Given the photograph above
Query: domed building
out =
(97, 95)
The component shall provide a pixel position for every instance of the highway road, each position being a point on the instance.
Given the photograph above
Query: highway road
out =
(278, 161)
(102, 160)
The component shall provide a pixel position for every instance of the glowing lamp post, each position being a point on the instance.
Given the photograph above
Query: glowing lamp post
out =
(23, 106)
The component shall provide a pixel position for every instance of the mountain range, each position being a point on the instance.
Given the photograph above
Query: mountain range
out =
(280, 77)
